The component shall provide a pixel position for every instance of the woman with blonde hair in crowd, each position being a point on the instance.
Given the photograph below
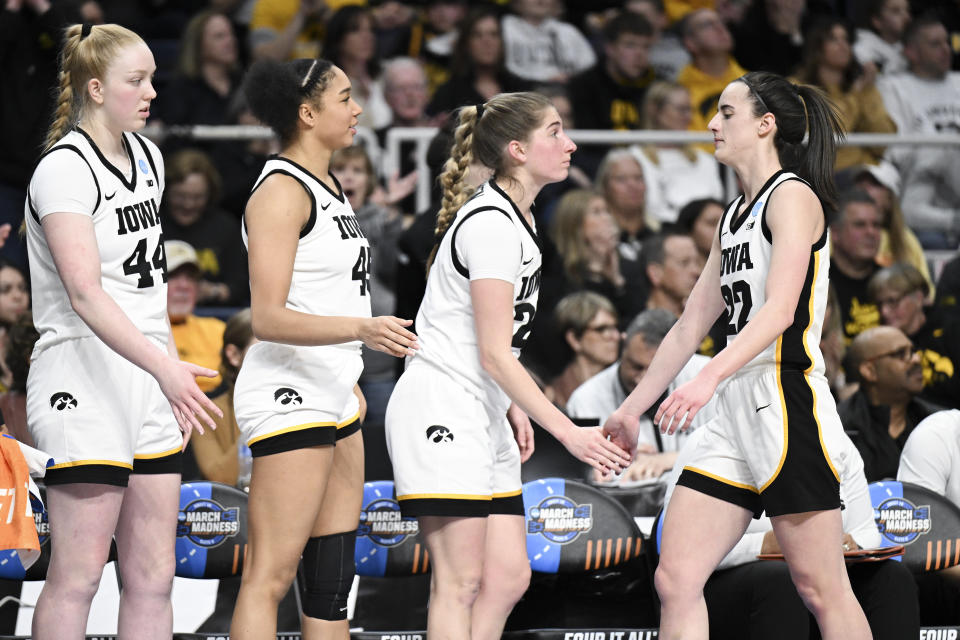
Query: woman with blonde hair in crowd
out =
(107, 398)
(621, 181)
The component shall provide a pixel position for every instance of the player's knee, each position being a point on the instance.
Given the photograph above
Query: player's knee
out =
(326, 575)
(150, 579)
(515, 582)
(462, 587)
(671, 585)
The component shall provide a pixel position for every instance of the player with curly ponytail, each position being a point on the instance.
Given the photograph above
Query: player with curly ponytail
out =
(107, 396)
(776, 442)
(456, 425)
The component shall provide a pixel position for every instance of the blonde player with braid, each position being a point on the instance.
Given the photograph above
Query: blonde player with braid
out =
(457, 426)
(105, 371)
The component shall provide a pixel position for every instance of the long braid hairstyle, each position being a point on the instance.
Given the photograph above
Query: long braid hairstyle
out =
(82, 59)
(482, 135)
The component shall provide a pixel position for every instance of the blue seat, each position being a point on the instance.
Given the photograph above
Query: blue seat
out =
(387, 543)
(926, 523)
(211, 530)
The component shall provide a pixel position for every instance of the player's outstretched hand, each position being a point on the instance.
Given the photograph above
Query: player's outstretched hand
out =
(622, 429)
(388, 334)
(588, 444)
(191, 406)
(680, 407)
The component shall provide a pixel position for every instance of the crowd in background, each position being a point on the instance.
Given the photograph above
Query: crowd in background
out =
(624, 237)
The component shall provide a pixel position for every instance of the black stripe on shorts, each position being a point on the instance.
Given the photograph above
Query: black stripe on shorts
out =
(172, 463)
(348, 430)
(508, 506)
(292, 440)
(721, 491)
(88, 473)
(445, 507)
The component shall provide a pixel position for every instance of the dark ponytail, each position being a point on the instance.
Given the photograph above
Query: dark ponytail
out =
(808, 129)
(275, 91)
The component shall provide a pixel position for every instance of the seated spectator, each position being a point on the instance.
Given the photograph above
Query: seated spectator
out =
(477, 70)
(923, 100)
(14, 302)
(900, 292)
(588, 323)
(609, 95)
(350, 45)
(594, 400)
(948, 287)
(711, 68)
(674, 174)
(671, 265)
(189, 212)
(883, 412)
(216, 450)
(770, 36)
(540, 48)
(586, 235)
(620, 179)
(198, 339)
(828, 63)
(897, 242)
(700, 219)
(878, 43)
(427, 35)
(667, 54)
(20, 337)
(284, 30)
(855, 240)
(751, 598)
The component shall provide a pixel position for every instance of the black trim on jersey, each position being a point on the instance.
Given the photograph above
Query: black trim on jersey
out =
(130, 184)
(172, 463)
(509, 506)
(300, 439)
(348, 430)
(737, 221)
(732, 206)
(445, 507)
(338, 196)
(146, 152)
(523, 220)
(721, 491)
(459, 266)
(767, 234)
(93, 173)
(88, 473)
(793, 355)
(308, 226)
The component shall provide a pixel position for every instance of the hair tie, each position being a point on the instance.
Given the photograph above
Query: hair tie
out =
(305, 83)
(479, 110)
(85, 30)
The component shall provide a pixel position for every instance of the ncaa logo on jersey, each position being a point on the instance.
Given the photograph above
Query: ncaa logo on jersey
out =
(437, 433)
(382, 522)
(286, 395)
(559, 519)
(900, 521)
(207, 524)
(62, 401)
(143, 166)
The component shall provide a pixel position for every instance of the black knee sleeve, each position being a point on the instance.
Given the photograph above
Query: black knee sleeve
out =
(326, 575)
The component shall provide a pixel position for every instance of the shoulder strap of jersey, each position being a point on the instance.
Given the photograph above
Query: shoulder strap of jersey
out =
(75, 149)
(269, 171)
(731, 210)
(457, 263)
(784, 177)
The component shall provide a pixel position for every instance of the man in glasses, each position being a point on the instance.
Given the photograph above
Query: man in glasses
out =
(883, 412)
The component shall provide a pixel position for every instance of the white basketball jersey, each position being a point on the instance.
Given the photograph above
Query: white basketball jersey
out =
(445, 322)
(331, 270)
(746, 246)
(126, 220)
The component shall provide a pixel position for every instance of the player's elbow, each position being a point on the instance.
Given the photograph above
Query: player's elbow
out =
(82, 296)
(263, 329)
(491, 360)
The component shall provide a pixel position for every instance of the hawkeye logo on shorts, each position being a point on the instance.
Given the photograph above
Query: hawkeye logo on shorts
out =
(438, 434)
(382, 523)
(286, 395)
(900, 521)
(62, 401)
(559, 519)
(206, 523)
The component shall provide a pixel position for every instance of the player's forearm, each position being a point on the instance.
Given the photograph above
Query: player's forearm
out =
(675, 350)
(287, 326)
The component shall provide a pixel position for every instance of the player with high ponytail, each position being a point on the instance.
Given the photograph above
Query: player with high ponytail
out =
(296, 398)
(456, 425)
(107, 397)
(776, 442)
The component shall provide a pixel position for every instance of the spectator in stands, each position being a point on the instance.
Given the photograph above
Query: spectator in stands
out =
(189, 212)
(541, 48)
(855, 240)
(828, 63)
(667, 54)
(594, 400)
(885, 409)
(674, 174)
(14, 302)
(208, 73)
(609, 94)
(924, 100)
(931, 456)
(621, 181)
(586, 236)
(350, 45)
(672, 265)
(711, 68)
(770, 36)
(284, 30)
(477, 71)
(20, 337)
(897, 242)
(701, 219)
(948, 287)
(588, 323)
(427, 35)
(878, 44)
(198, 339)
(900, 292)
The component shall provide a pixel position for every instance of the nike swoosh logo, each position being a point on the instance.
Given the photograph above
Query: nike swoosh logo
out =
(527, 262)
(110, 197)
(325, 207)
(723, 233)
(763, 407)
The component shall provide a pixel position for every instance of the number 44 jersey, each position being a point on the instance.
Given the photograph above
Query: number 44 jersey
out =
(746, 247)
(74, 177)
(331, 269)
(488, 239)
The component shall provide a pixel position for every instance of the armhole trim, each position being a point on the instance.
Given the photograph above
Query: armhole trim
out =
(457, 263)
